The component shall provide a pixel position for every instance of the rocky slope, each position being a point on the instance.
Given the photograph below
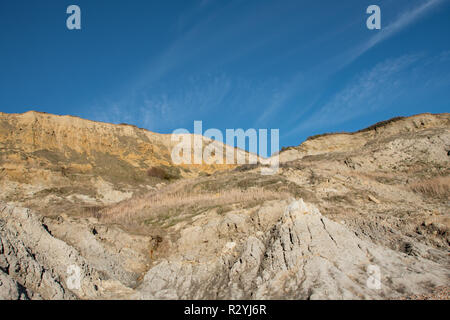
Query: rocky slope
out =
(342, 210)
(272, 253)
(50, 162)
(297, 255)
(353, 141)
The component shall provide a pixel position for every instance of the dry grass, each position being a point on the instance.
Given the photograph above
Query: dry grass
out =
(372, 127)
(436, 187)
(179, 201)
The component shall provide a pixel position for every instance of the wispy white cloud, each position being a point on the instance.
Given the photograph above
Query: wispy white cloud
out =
(161, 107)
(322, 71)
(166, 107)
(405, 19)
(280, 97)
(370, 91)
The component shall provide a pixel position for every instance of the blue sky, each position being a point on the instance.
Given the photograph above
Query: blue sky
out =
(304, 67)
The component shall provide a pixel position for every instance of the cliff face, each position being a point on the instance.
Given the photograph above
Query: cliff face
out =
(346, 142)
(65, 159)
(372, 201)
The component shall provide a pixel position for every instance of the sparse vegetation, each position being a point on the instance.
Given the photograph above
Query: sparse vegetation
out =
(372, 127)
(435, 187)
(283, 149)
(246, 167)
(164, 173)
(381, 124)
(157, 173)
(325, 134)
(178, 201)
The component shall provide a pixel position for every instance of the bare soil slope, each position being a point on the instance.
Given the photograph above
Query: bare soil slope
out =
(49, 162)
(340, 205)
